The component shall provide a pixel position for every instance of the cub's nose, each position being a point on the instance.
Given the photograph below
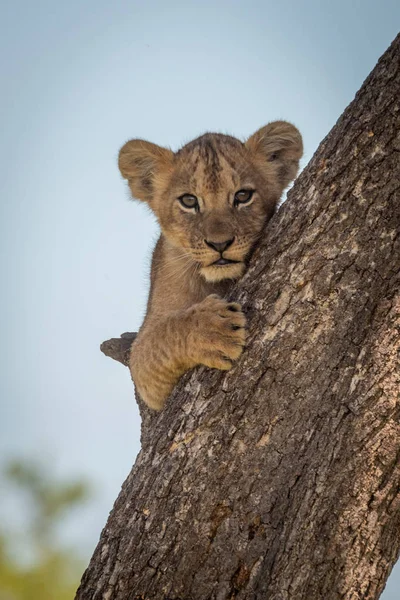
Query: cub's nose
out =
(220, 246)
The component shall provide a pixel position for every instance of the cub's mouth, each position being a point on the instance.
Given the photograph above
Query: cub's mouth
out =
(223, 268)
(224, 261)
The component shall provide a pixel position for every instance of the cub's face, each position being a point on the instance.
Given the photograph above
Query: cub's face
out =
(213, 197)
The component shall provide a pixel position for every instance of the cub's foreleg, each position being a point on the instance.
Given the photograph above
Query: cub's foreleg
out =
(210, 333)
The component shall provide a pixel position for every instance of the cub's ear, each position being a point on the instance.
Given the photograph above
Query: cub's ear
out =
(141, 163)
(280, 143)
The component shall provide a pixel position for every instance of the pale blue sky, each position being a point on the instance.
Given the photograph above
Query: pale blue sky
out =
(78, 80)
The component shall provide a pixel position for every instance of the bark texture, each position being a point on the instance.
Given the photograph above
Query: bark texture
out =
(280, 479)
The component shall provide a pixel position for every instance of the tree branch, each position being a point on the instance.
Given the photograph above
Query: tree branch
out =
(119, 348)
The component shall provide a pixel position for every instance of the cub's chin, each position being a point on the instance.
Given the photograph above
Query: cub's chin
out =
(220, 272)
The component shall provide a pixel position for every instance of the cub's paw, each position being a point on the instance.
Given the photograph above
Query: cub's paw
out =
(217, 332)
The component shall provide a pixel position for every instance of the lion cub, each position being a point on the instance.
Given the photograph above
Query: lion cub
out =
(212, 199)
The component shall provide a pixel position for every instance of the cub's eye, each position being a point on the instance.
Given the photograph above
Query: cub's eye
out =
(189, 201)
(273, 156)
(243, 197)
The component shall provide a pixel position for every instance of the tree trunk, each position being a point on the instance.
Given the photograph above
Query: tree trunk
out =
(279, 479)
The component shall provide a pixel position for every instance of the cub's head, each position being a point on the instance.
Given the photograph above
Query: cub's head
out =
(213, 197)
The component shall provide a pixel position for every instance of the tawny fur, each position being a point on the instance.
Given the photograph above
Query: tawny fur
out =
(188, 322)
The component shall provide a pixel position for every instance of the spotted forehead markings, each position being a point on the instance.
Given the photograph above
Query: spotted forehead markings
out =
(209, 164)
(209, 152)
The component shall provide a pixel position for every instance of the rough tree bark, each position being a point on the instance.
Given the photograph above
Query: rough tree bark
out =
(280, 479)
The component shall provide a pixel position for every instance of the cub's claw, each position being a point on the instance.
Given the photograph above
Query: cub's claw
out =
(217, 333)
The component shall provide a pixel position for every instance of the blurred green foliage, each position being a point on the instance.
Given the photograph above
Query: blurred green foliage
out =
(52, 571)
